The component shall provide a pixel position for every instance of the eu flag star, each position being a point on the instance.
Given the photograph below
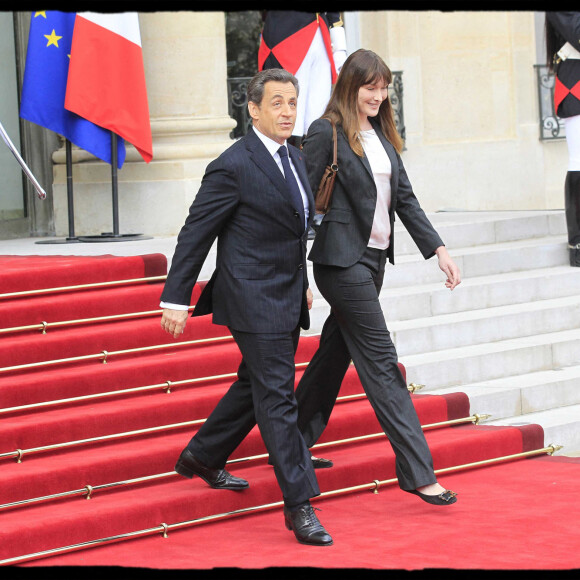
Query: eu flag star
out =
(52, 38)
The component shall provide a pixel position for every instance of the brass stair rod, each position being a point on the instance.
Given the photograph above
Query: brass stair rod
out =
(550, 450)
(88, 489)
(19, 453)
(167, 385)
(164, 528)
(472, 419)
(45, 325)
(412, 387)
(24, 293)
(476, 418)
(105, 354)
(90, 543)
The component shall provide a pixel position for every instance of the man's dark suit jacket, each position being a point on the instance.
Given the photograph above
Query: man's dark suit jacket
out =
(260, 281)
(344, 232)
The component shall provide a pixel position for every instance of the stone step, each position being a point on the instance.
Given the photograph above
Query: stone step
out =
(561, 427)
(401, 303)
(460, 230)
(480, 292)
(487, 361)
(475, 261)
(464, 229)
(507, 335)
(412, 271)
(549, 398)
(471, 327)
(514, 396)
(485, 325)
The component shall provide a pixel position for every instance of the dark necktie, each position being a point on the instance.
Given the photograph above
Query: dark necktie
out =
(292, 183)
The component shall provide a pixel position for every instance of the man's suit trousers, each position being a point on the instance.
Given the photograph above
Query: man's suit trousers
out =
(263, 394)
(356, 329)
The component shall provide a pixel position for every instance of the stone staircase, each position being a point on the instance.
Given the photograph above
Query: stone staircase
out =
(508, 336)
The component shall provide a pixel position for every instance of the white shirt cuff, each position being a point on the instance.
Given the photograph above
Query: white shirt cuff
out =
(173, 306)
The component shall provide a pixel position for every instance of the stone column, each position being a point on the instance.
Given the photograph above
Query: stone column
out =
(184, 54)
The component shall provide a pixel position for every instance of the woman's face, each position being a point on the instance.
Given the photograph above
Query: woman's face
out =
(370, 97)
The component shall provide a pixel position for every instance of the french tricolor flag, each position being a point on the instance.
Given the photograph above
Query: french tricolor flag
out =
(106, 78)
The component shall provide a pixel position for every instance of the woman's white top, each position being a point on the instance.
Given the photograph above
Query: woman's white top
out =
(381, 168)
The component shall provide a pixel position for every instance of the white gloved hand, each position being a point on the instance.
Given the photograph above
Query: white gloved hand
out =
(338, 41)
(339, 58)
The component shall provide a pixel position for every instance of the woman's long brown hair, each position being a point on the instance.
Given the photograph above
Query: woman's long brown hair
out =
(360, 68)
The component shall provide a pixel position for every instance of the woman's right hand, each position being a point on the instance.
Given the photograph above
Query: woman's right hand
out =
(448, 266)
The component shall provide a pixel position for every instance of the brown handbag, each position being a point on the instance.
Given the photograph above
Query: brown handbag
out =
(324, 193)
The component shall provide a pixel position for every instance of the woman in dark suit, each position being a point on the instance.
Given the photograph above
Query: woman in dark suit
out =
(349, 253)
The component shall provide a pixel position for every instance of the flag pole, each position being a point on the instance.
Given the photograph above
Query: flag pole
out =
(69, 194)
(41, 193)
(115, 184)
(115, 236)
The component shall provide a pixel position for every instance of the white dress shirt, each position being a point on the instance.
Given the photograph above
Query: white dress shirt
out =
(381, 168)
(272, 147)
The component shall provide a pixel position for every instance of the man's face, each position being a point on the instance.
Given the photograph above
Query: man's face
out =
(276, 115)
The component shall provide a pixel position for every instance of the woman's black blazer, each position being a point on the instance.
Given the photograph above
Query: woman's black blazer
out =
(344, 232)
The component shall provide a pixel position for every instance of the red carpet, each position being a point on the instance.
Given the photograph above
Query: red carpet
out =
(118, 423)
(22, 273)
(514, 516)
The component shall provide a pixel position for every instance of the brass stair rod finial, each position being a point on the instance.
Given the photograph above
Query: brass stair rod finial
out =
(554, 448)
(480, 417)
(415, 387)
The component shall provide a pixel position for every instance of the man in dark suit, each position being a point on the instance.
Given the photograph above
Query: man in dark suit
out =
(255, 198)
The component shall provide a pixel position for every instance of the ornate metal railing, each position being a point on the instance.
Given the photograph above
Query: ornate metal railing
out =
(238, 103)
(551, 126)
(396, 97)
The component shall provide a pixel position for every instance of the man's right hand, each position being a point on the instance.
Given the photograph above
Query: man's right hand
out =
(173, 321)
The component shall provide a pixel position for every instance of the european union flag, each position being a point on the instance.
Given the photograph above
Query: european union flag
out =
(44, 86)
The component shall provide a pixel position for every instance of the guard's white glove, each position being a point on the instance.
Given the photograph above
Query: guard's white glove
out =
(338, 41)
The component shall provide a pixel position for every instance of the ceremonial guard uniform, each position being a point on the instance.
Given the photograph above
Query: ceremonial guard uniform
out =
(310, 45)
(563, 45)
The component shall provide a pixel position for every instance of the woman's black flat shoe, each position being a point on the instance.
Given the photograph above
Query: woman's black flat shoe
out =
(446, 497)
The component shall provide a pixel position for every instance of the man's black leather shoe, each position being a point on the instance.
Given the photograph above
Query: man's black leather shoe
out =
(306, 527)
(188, 466)
(321, 463)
